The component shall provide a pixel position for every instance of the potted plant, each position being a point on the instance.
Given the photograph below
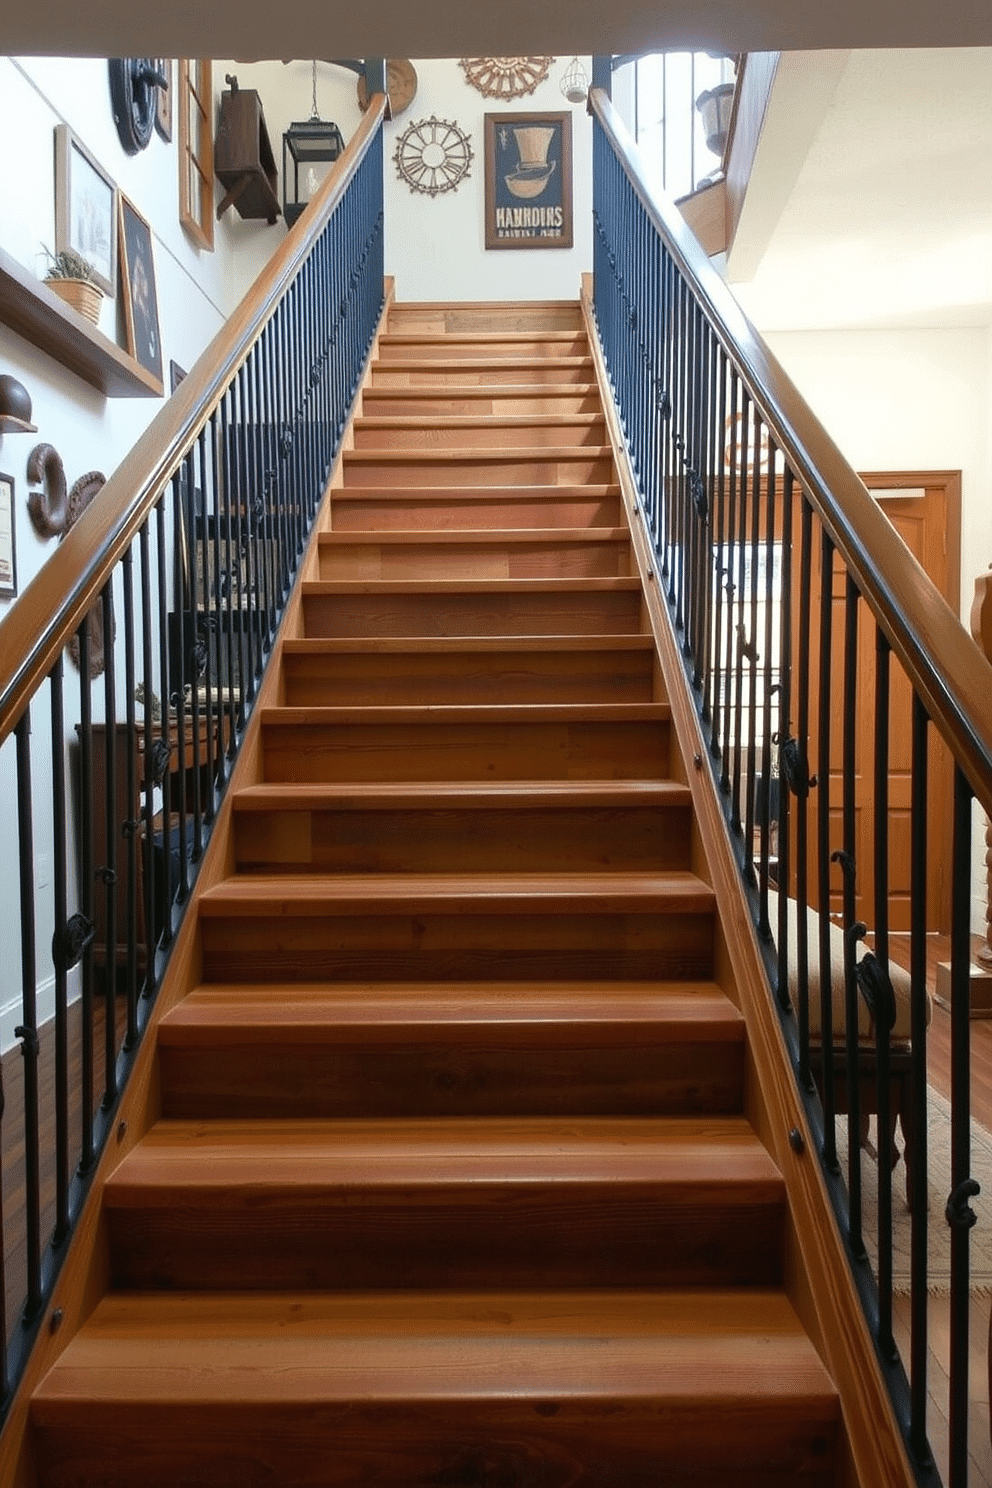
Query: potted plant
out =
(71, 277)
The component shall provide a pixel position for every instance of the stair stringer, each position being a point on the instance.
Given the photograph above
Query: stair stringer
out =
(818, 1279)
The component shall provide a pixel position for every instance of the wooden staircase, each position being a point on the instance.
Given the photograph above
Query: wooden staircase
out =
(451, 1181)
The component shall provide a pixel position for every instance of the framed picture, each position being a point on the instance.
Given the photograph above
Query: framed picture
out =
(138, 285)
(85, 208)
(528, 180)
(163, 111)
(8, 566)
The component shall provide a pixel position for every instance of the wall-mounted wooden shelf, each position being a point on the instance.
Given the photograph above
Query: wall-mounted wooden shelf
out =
(35, 313)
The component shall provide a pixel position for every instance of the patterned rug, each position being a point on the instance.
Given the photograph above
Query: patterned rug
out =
(939, 1186)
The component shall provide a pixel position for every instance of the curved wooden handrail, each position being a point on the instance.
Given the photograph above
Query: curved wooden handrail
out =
(947, 670)
(54, 603)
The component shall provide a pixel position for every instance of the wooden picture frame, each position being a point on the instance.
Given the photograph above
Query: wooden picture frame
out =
(164, 104)
(528, 170)
(144, 340)
(85, 208)
(8, 557)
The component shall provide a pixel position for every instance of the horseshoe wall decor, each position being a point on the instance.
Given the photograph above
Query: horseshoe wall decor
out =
(82, 493)
(47, 508)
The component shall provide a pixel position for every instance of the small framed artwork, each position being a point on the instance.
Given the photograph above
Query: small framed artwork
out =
(163, 110)
(528, 180)
(8, 564)
(177, 375)
(85, 208)
(139, 293)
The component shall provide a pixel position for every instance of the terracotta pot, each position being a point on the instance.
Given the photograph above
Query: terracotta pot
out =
(82, 296)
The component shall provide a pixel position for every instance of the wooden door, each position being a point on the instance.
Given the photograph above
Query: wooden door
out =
(925, 509)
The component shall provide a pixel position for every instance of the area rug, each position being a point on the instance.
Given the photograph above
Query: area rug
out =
(939, 1186)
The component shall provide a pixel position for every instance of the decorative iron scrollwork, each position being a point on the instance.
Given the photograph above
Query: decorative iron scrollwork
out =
(848, 866)
(157, 762)
(68, 950)
(699, 500)
(875, 987)
(958, 1212)
(792, 765)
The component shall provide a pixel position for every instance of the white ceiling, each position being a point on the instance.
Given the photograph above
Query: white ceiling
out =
(258, 29)
(888, 221)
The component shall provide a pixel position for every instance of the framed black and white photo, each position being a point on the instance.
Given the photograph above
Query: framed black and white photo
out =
(528, 180)
(85, 208)
(140, 296)
(8, 562)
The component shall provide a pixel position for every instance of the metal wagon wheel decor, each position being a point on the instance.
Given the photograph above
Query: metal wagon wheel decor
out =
(433, 155)
(506, 77)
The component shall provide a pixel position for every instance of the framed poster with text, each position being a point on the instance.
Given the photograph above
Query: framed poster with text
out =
(528, 180)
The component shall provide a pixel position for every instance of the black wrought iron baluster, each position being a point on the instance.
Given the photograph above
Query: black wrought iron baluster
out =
(60, 952)
(800, 783)
(86, 898)
(199, 644)
(148, 778)
(767, 688)
(884, 1014)
(964, 1187)
(238, 665)
(824, 719)
(172, 706)
(848, 862)
(728, 585)
(783, 740)
(27, 1029)
(718, 560)
(245, 526)
(741, 643)
(668, 426)
(916, 1137)
(750, 643)
(108, 870)
(709, 475)
(227, 676)
(129, 827)
(208, 631)
(262, 511)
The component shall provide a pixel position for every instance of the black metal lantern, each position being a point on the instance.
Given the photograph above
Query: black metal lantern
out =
(313, 146)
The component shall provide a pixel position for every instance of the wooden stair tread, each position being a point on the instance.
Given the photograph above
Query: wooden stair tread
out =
(484, 536)
(481, 456)
(359, 645)
(677, 1010)
(477, 713)
(473, 390)
(620, 584)
(204, 1160)
(484, 364)
(494, 421)
(481, 795)
(310, 1347)
(562, 492)
(306, 895)
(478, 338)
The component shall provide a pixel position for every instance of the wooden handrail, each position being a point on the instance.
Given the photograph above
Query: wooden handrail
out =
(53, 605)
(952, 678)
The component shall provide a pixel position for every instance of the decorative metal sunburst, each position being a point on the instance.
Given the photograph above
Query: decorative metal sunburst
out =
(433, 155)
(505, 77)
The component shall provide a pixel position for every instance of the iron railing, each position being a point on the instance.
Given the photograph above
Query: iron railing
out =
(167, 594)
(788, 591)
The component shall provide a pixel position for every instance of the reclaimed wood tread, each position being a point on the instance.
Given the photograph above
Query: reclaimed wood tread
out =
(501, 795)
(673, 1011)
(310, 1348)
(190, 1162)
(314, 895)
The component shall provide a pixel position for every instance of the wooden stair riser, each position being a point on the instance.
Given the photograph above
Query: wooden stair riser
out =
(512, 1393)
(424, 946)
(344, 610)
(312, 751)
(451, 556)
(403, 372)
(438, 319)
(616, 673)
(494, 347)
(427, 434)
(399, 510)
(372, 469)
(468, 402)
(450, 838)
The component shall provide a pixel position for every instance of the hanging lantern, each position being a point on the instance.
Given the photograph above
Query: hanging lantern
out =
(313, 146)
(575, 83)
(714, 108)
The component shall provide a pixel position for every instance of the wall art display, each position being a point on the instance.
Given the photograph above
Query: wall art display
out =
(8, 566)
(163, 112)
(138, 282)
(85, 208)
(505, 77)
(528, 180)
(433, 155)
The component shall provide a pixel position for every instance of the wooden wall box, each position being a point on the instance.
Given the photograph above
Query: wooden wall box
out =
(243, 159)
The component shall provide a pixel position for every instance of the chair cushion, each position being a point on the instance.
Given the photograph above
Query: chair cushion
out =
(900, 979)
